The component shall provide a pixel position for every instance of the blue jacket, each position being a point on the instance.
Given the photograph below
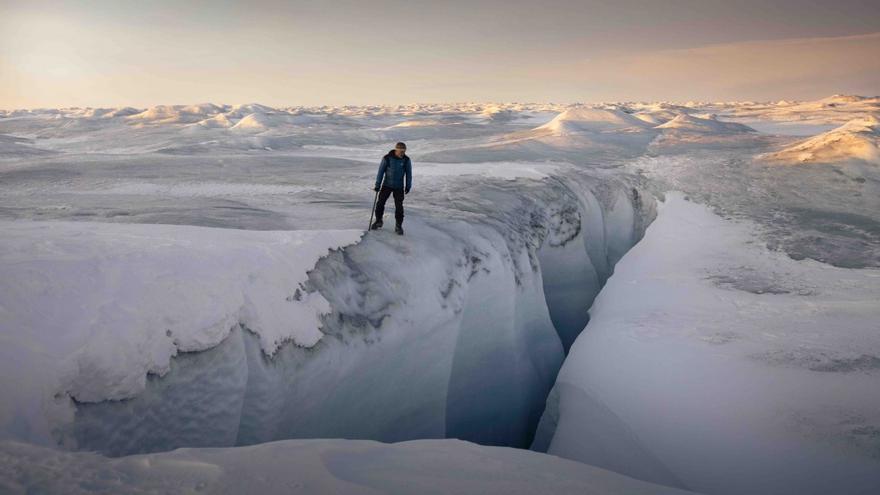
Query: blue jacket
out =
(394, 169)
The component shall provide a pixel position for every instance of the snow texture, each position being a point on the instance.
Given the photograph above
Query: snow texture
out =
(89, 313)
(313, 466)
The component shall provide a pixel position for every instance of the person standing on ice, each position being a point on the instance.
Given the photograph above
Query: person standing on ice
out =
(394, 168)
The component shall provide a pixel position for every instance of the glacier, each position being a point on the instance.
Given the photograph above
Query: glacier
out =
(198, 277)
(455, 309)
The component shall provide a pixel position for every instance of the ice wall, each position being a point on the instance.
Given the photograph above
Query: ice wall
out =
(455, 330)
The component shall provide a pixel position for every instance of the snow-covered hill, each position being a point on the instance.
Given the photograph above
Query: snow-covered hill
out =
(253, 122)
(593, 120)
(711, 125)
(858, 139)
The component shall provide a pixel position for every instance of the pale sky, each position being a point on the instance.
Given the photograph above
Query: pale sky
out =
(142, 53)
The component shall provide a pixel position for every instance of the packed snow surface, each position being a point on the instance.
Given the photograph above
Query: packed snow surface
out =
(314, 466)
(501, 170)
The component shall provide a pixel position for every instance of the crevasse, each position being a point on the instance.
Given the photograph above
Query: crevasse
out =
(457, 330)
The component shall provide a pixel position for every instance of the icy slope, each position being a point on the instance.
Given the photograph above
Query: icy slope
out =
(858, 139)
(313, 466)
(715, 364)
(90, 312)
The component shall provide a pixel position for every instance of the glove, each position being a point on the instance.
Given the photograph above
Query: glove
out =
(376, 188)
(406, 191)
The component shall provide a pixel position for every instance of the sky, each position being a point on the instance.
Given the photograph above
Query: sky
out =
(148, 52)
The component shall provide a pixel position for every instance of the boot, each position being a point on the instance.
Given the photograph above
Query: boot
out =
(398, 229)
(377, 224)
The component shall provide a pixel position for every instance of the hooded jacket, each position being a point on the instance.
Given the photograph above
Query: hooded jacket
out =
(394, 170)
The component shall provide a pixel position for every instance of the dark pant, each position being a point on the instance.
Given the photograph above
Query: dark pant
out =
(398, 203)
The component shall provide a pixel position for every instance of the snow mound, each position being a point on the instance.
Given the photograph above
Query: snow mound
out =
(218, 121)
(656, 117)
(243, 110)
(579, 120)
(161, 113)
(497, 113)
(254, 122)
(858, 139)
(689, 123)
(261, 121)
(313, 466)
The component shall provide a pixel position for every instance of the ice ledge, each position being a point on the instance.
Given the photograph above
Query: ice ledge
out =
(99, 306)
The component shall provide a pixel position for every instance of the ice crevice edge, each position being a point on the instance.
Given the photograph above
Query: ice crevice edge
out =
(456, 330)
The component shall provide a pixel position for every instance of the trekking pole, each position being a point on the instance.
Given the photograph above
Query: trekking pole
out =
(375, 198)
